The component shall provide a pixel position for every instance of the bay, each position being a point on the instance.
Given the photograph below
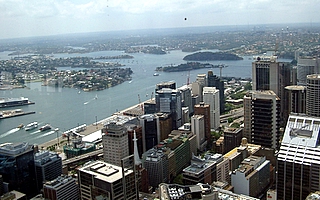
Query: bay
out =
(65, 108)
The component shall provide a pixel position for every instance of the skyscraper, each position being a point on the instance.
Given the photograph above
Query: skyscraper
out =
(198, 128)
(261, 118)
(115, 143)
(313, 95)
(298, 158)
(204, 109)
(214, 81)
(211, 97)
(297, 98)
(306, 66)
(169, 101)
(150, 131)
(269, 74)
(17, 167)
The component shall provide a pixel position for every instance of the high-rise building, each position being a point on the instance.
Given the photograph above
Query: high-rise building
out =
(115, 143)
(62, 187)
(169, 84)
(198, 85)
(186, 97)
(262, 119)
(165, 125)
(198, 128)
(232, 138)
(204, 109)
(169, 101)
(17, 167)
(307, 65)
(156, 163)
(313, 95)
(150, 131)
(269, 74)
(297, 98)
(48, 166)
(298, 158)
(101, 180)
(214, 81)
(211, 97)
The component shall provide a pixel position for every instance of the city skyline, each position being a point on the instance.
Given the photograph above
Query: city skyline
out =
(33, 18)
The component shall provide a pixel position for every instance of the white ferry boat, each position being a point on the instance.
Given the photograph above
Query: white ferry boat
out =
(31, 126)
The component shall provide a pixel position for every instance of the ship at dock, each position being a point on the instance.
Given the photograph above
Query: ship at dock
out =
(12, 102)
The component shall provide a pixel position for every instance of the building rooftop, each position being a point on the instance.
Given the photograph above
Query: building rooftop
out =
(58, 182)
(10, 149)
(104, 171)
(199, 191)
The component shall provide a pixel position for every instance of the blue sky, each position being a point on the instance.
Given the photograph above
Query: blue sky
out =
(24, 18)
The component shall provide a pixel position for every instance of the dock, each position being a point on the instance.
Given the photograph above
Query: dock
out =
(14, 113)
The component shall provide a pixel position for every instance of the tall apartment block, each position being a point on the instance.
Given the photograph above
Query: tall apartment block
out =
(307, 65)
(269, 74)
(211, 97)
(48, 166)
(204, 109)
(215, 81)
(198, 128)
(101, 180)
(262, 118)
(298, 158)
(60, 188)
(115, 143)
(17, 167)
(313, 95)
(297, 98)
(169, 101)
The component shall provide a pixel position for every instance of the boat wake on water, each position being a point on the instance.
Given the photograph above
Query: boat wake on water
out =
(35, 132)
(9, 132)
(95, 98)
(46, 134)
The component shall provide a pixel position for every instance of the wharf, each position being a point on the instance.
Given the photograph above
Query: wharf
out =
(14, 113)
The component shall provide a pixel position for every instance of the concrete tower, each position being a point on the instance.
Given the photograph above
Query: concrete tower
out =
(313, 95)
(137, 160)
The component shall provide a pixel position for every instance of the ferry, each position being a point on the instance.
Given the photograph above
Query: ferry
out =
(11, 102)
(31, 126)
(45, 127)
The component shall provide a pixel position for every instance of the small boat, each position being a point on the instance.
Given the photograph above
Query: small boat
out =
(155, 74)
(20, 126)
(31, 126)
(45, 127)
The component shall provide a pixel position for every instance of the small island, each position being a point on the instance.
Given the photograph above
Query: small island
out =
(205, 56)
(187, 67)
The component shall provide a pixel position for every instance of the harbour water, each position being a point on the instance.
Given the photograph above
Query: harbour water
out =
(65, 108)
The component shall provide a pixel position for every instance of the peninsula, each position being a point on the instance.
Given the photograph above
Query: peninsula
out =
(206, 56)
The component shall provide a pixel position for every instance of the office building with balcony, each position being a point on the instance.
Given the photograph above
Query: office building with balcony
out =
(262, 118)
(115, 143)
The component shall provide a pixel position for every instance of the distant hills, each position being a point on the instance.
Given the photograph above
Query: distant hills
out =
(206, 56)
